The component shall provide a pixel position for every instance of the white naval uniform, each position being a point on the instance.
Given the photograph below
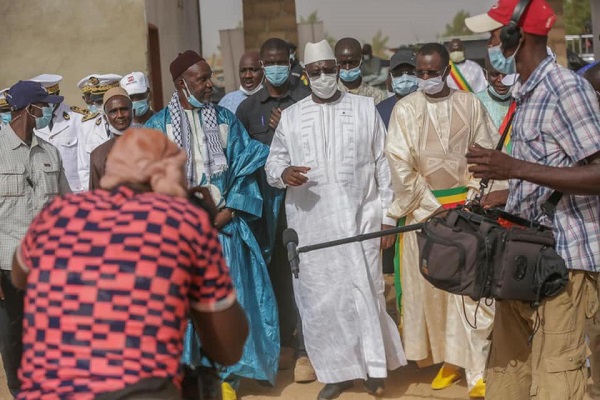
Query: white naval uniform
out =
(93, 133)
(63, 136)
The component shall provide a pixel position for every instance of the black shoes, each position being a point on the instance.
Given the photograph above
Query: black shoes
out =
(333, 390)
(374, 386)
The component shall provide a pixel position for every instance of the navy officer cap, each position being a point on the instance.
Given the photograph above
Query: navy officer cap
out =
(24, 93)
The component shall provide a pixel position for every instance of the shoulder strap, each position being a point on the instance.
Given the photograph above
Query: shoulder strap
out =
(549, 206)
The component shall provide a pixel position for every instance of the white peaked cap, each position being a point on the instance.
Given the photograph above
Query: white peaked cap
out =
(320, 51)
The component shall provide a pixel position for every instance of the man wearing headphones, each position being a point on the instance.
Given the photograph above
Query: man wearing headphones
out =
(539, 352)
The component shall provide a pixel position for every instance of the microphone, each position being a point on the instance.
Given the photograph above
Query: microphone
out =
(290, 240)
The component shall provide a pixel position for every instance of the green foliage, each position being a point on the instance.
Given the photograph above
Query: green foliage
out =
(457, 27)
(312, 18)
(577, 14)
(379, 44)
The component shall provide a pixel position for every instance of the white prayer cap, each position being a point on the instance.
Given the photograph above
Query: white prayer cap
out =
(49, 81)
(98, 83)
(321, 51)
(134, 83)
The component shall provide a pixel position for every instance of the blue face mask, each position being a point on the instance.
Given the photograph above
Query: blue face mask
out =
(194, 102)
(502, 97)
(93, 108)
(44, 120)
(277, 75)
(404, 84)
(350, 75)
(500, 63)
(140, 107)
(6, 117)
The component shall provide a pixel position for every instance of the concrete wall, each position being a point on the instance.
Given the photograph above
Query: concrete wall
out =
(178, 23)
(73, 38)
(264, 19)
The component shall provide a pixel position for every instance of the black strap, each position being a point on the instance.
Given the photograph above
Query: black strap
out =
(549, 206)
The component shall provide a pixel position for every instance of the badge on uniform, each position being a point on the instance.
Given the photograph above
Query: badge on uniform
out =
(98, 121)
(66, 116)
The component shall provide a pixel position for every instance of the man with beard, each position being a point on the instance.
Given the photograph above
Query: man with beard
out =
(223, 158)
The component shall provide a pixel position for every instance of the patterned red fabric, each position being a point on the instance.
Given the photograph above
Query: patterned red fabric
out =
(112, 277)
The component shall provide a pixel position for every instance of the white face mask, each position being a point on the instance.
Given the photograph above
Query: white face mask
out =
(432, 85)
(324, 86)
(251, 92)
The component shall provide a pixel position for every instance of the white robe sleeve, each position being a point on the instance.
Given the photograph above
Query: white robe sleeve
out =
(382, 170)
(279, 157)
(83, 161)
(411, 191)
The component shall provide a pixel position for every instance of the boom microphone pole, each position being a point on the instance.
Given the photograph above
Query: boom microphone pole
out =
(290, 239)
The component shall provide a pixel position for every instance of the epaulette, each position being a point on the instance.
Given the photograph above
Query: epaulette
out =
(80, 110)
(90, 116)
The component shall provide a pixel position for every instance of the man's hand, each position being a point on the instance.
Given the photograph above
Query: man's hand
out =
(274, 118)
(495, 199)
(491, 164)
(223, 217)
(294, 176)
(389, 240)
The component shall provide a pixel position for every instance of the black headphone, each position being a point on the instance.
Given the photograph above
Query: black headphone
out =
(511, 33)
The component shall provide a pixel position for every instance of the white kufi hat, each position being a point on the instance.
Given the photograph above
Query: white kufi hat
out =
(320, 51)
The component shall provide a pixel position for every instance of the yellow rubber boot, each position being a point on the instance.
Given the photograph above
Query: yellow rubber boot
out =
(478, 390)
(228, 392)
(446, 376)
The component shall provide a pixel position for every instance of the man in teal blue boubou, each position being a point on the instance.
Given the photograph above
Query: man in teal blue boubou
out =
(223, 157)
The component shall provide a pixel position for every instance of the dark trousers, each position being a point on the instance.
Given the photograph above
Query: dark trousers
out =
(11, 331)
(280, 275)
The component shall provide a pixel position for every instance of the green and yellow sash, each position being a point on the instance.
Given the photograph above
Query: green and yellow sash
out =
(458, 77)
(507, 118)
(448, 198)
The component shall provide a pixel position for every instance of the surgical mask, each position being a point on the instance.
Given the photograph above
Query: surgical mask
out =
(457, 56)
(140, 107)
(194, 102)
(432, 85)
(404, 84)
(505, 65)
(6, 117)
(93, 108)
(45, 119)
(250, 92)
(350, 75)
(324, 86)
(502, 97)
(366, 57)
(277, 75)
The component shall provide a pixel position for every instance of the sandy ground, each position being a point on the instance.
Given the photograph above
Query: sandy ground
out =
(409, 382)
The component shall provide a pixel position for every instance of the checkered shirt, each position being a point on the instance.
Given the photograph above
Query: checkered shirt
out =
(557, 123)
(112, 276)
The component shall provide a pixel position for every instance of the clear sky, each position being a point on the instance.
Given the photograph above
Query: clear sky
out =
(404, 21)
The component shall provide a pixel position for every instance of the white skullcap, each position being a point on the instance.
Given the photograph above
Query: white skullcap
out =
(321, 51)
(135, 83)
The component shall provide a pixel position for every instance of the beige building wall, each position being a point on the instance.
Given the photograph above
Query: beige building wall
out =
(178, 23)
(75, 38)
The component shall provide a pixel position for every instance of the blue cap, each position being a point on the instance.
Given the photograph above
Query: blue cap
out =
(24, 93)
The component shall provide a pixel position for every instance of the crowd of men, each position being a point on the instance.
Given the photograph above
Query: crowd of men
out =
(140, 246)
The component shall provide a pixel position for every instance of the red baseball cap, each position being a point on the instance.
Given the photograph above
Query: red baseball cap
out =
(537, 19)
